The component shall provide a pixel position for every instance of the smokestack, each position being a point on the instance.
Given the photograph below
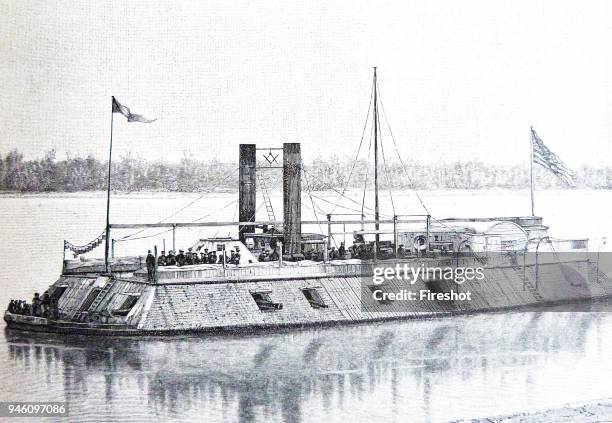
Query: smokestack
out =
(247, 189)
(292, 198)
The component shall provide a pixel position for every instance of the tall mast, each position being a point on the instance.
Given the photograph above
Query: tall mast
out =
(107, 266)
(376, 216)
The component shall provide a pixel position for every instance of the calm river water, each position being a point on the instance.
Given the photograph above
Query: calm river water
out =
(433, 370)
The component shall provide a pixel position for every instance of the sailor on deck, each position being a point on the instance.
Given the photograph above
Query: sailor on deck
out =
(196, 257)
(36, 305)
(342, 251)
(204, 256)
(401, 251)
(333, 254)
(180, 258)
(161, 260)
(150, 265)
(263, 256)
(171, 259)
(189, 257)
(46, 302)
(221, 256)
(274, 255)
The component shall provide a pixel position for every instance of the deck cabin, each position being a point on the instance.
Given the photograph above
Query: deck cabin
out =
(312, 245)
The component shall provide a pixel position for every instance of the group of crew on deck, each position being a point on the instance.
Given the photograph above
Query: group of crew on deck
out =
(45, 306)
(189, 258)
(359, 250)
(192, 257)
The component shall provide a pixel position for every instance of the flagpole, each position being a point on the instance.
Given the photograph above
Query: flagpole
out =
(531, 172)
(108, 190)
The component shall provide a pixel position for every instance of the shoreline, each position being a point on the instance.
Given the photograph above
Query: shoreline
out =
(102, 194)
(587, 411)
(177, 194)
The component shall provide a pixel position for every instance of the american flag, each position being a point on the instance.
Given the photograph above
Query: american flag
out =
(549, 160)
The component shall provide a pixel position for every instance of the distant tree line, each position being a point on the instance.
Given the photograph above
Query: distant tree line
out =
(129, 173)
(472, 174)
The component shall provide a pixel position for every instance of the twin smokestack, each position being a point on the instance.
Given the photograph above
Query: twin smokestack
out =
(292, 196)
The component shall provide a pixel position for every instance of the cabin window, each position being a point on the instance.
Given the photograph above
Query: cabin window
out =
(314, 298)
(126, 305)
(264, 302)
(91, 297)
(374, 288)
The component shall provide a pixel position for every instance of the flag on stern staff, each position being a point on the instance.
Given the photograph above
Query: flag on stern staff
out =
(125, 111)
(549, 160)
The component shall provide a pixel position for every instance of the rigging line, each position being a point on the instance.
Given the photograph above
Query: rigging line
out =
(314, 207)
(233, 217)
(416, 193)
(130, 236)
(386, 170)
(310, 208)
(311, 200)
(252, 216)
(399, 155)
(168, 230)
(186, 206)
(334, 204)
(343, 207)
(341, 196)
(350, 199)
(309, 189)
(365, 124)
(221, 227)
(201, 196)
(215, 211)
(309, 192)
(365, 182)
(318, 207)
(143, 237)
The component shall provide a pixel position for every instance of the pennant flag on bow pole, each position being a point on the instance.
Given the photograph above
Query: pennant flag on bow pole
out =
(125, 111)
(131, 117)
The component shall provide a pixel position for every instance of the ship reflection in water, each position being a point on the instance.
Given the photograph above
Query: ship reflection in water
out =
(435, 370)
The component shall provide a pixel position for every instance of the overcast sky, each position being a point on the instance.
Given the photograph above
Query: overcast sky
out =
(459, 79)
